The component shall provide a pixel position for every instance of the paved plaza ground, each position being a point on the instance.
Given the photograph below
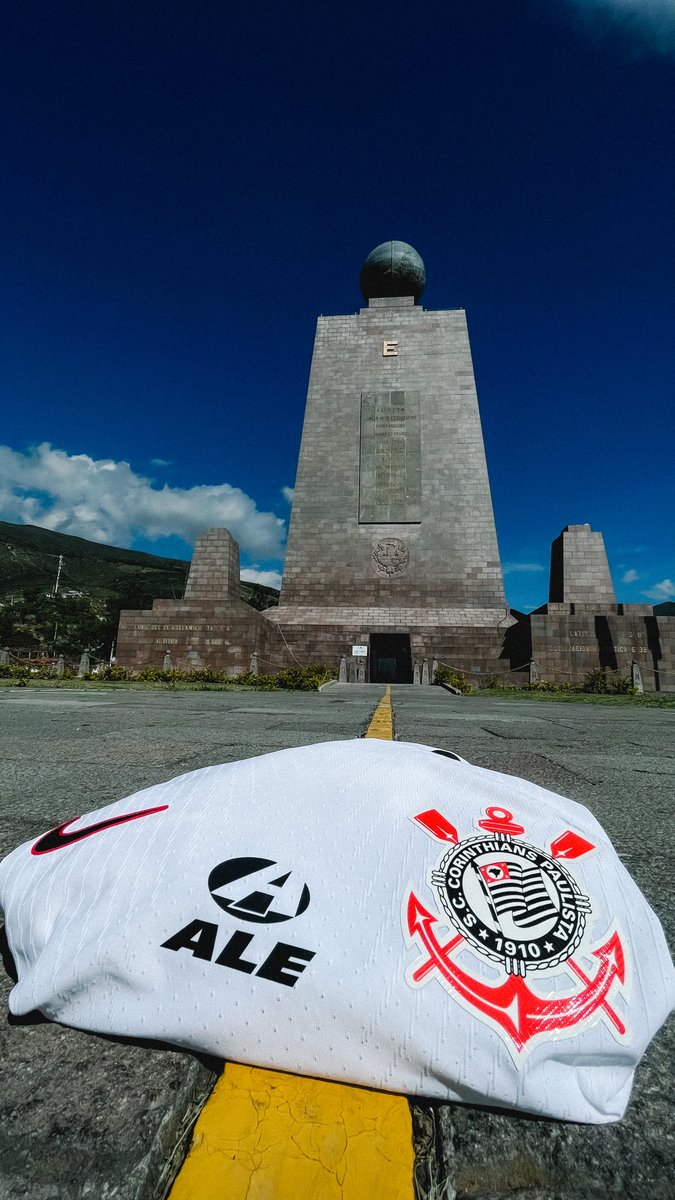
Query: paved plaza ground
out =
(84, 1116)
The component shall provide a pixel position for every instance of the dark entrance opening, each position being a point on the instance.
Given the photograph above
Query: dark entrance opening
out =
(390, 658)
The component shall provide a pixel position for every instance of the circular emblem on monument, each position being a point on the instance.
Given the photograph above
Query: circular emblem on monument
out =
(390, 556)
(512, 902)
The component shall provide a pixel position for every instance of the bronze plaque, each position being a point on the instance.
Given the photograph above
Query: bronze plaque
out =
(390, 464)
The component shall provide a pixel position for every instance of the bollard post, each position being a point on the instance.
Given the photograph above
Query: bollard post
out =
(60, 667)
(352, 671)
(168, 662)
(533, 672)
(434, 668)
(84, 666)
(342, 674)
(425, 672)
(416, 673)
(4, 657)
(360, 673)
(253, 669)
(636, 677)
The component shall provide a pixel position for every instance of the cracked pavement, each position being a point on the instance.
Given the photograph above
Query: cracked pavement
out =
(84, 1116)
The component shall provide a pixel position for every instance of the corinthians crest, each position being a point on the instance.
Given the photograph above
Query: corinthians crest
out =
(517, 908)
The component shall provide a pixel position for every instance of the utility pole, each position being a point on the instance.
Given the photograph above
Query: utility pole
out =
(58, 575)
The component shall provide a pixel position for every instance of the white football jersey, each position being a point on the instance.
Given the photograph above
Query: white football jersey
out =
(372, 912)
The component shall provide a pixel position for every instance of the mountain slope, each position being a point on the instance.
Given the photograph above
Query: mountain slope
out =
(29, 558)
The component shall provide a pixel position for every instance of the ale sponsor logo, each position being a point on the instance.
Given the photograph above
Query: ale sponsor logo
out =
(260, 892)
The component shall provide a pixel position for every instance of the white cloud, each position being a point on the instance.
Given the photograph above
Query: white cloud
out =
(160, 462)
(630, 576)
(288, 494)
(510, 567)
(266, 578)
(106, 501)
(650, 23)
(665, 590)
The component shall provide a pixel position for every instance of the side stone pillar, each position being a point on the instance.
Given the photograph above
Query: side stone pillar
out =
(214, 573)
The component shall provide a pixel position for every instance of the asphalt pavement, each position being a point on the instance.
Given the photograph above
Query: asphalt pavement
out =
(85, 1116)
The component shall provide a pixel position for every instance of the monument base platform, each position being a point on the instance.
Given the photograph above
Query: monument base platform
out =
(213, 628)
(474, 641)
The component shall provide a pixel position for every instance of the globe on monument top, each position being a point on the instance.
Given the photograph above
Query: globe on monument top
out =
(393, 269)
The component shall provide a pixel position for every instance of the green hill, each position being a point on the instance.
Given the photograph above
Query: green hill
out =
(95, 582)
(29, 559)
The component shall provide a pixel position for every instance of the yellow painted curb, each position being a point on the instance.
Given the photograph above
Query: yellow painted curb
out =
(265, 1135)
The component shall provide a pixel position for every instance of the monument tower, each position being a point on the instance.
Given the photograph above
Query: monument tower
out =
(392, 544)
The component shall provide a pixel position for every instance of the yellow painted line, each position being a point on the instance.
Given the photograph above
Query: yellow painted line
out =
(265, 1135)
(382, 723)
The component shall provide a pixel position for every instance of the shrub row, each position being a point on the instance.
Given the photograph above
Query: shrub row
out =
(25, 671)
(599, 681)
(305, 679)
(454, 678)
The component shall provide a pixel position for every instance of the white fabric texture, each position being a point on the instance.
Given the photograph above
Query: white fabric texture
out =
(494, 951)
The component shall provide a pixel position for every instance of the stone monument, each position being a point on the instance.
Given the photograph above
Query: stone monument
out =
(392, 544)
(580, 571)
(211, 627)
(392, 558)
(583, 627)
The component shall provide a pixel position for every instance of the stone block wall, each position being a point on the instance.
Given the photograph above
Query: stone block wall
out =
(569, 640)
(579, 568)
(211, 627)
(214, 571)
(479, 643)
(437, 546)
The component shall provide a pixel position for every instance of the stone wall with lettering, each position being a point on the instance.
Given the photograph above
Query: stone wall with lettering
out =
(569, 640)
(390, 462)
(218, 636)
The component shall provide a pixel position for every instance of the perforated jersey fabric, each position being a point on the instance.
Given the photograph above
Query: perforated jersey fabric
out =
(372, 912)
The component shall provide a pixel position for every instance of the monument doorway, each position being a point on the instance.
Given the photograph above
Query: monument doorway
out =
(390, 658)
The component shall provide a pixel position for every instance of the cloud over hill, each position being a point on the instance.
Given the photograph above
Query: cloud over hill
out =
(109, 502)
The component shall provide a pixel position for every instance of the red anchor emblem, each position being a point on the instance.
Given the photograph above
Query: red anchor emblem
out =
(517, 906)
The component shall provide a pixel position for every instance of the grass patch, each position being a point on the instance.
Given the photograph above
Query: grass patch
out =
(96, 685)
(648, 700)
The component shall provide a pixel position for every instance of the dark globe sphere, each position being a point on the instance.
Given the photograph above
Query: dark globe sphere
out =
(393, 269)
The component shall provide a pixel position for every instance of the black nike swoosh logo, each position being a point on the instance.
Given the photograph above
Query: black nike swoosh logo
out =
(57, 838)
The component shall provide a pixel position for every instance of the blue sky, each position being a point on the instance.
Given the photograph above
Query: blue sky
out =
(186, 186)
